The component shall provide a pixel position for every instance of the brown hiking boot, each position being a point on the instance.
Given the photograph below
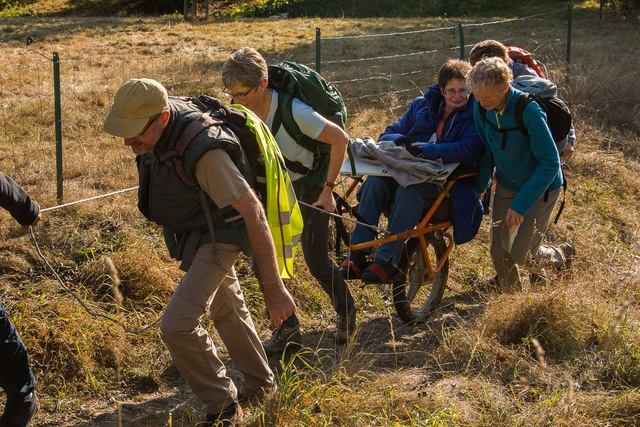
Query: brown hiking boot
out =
(569, 253)
(538, 279)
(285, 339)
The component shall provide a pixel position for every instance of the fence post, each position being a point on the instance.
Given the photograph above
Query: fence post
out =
(461, 31)
(601, 8)
(318, 49)
(58, 125)
(569, 9)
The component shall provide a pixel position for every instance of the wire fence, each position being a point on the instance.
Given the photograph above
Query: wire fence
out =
(383, 70)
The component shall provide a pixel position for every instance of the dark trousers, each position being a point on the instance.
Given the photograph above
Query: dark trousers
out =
(315, 248)
(16, 377)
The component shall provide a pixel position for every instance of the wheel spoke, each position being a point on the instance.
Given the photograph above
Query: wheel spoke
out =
(415, 297)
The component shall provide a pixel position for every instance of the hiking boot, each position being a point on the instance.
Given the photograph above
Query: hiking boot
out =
(345, 326)
(19, 412)
(231, 416)
(285, 338)
(569, 253)
(538, 279)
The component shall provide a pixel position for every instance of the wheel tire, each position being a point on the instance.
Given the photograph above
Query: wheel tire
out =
(415, 297)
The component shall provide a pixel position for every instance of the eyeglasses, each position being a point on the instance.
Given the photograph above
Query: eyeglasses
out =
(453, 92)
(149, 123)
(238, 96)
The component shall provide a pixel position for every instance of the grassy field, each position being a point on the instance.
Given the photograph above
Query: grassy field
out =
(566, 354)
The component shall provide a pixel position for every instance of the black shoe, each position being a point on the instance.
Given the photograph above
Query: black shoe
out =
(231, 416)
(285, 339)
(19, 412)
(345, 326)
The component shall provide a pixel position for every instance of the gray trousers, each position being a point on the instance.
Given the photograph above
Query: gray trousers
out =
(211, 283)
(519, 245)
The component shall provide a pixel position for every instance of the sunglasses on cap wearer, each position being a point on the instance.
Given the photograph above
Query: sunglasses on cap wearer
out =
(149, 123)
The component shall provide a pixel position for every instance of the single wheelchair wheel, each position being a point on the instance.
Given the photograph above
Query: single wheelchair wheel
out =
(415, 297)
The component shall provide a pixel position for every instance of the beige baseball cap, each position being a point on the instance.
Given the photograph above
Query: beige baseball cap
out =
(134, 103)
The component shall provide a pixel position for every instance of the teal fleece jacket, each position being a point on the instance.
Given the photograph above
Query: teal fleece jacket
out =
(526, 164)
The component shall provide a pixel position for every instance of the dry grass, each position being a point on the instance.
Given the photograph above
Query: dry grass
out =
(567, 354)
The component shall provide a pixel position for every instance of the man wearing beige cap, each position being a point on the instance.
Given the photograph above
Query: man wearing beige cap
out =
(151, 123)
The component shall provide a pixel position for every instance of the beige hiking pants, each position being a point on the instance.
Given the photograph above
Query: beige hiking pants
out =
(211, 283)
(518, 245)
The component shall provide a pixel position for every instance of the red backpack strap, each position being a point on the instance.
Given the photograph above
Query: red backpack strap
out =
(193, 129)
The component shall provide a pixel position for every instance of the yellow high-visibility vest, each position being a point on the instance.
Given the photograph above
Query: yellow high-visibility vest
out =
(283, 212)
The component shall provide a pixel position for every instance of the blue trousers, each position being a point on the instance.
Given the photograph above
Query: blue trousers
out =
(409, 203)
(16, 378)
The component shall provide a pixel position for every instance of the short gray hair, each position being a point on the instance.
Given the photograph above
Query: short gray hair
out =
(490, 72)
(244, 67)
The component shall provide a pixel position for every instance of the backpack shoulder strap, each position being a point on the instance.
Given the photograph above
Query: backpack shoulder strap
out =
(284, 117)
(502, 131)
(277, 118)
(521, 104)
(193, 129)
(285, 110)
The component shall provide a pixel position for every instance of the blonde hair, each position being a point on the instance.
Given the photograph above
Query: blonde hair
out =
(490, 72)
(245, 67)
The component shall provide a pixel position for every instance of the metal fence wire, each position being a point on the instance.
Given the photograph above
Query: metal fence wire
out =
(399, 66)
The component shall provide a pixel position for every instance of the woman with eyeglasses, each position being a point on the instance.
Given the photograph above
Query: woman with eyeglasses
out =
(245, 78)
(438, 125)
(527, 168)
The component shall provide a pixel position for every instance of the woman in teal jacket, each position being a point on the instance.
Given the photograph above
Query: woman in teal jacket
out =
(527, 170)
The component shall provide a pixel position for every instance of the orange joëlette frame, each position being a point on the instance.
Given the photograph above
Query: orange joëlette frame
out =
(421, 228)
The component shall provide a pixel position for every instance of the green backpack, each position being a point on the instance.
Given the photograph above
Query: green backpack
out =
(293, 80)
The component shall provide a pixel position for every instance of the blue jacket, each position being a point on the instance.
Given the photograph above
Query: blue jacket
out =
(528, 164)
(459, 143)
